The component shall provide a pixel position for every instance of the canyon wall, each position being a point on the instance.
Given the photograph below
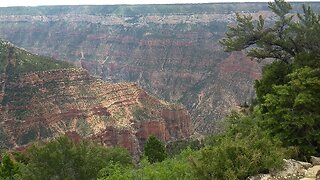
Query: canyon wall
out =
(171, 51)
(44, 104)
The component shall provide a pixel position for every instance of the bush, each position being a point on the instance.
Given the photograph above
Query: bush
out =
(64, 158)
(175, 168)
(116, 171)
(244, 150)
(176, 147)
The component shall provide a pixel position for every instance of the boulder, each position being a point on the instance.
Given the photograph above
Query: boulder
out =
(315, 160)
(292, 168)
(313, 172)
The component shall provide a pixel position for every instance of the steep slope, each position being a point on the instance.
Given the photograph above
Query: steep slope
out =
(169, 50)
(54, 100)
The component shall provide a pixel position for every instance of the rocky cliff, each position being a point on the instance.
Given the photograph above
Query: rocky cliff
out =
(39, 105)
(169, 50)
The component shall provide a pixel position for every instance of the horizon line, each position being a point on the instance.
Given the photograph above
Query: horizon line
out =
(174, 3)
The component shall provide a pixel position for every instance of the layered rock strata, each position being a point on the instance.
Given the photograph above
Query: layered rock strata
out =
(58, 99)
(46, 104)
(173, 55)
(172, 51)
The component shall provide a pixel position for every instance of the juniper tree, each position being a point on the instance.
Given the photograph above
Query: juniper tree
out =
(154, 150)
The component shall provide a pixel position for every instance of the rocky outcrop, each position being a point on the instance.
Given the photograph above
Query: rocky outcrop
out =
(40, 105)
(293, 170)
(46, 104)
(176, 126)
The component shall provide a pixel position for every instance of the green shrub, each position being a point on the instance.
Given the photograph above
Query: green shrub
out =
(64, 158)
(8, 167)
(176, 147)
(292, 111)
(243, 150)
(116, 171)
(174, 168)
(178, 167)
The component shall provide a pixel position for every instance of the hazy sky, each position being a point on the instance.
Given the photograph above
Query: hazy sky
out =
(5, 3)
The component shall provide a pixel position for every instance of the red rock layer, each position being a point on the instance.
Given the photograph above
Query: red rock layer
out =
(42, 105)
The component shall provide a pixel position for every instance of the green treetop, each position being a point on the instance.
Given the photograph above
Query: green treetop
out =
(154, 150)
(283, 40)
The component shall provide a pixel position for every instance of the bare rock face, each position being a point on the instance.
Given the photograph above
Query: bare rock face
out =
(45, 104)
(173, 55)
(51, 103)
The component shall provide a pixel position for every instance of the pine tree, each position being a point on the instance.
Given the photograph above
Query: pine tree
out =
(154, 150)
(283, 40)
(288, 93)
(8, 168)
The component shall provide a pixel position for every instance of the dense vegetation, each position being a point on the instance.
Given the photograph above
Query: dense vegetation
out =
(288, 105)
(284, 121)
(62, 158)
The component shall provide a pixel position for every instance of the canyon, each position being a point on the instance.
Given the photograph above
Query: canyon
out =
(170, 51)
(56, 99)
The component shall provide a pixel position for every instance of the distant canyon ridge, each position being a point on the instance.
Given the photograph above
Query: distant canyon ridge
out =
(171, 51)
